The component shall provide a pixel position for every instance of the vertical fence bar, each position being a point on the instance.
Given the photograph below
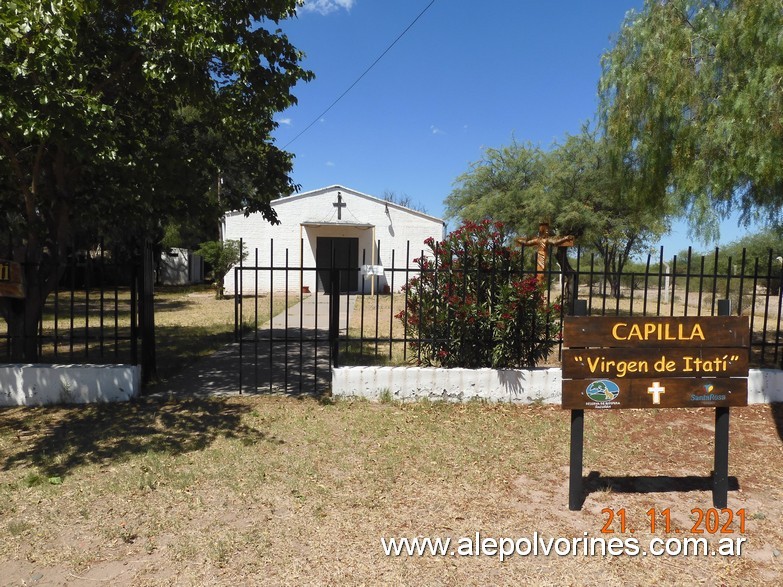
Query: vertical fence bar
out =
(134, 311)
(87, 271)
(714, 283)
(407, 280)
(148, 367)
(315, 320)
(57, 305)
(741, 284)
(646, 285)
(701, 286)
(271, 310)
(237, 325)
(660, 283)
(285, 348)
(377, 261)
(753, 296)
(102, 268)
(779, 306)
(421, 311)
(239, 294)
(334, 318)
(350, 272)
(673, 272)
(116, 275)
(361, 310)
(687, 281)
(255, 322)
(301, 315)
(391, 305)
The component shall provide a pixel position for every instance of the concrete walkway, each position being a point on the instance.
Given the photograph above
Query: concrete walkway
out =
(288, 354)
(312, 313)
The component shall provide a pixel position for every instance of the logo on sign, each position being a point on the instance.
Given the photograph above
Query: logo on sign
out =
(602, 391)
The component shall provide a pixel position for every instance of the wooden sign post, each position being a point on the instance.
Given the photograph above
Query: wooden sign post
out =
(11, 283)
(654, 362)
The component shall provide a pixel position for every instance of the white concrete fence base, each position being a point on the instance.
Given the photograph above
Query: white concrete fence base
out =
(518, 386)
(35, 385)
(454, 385)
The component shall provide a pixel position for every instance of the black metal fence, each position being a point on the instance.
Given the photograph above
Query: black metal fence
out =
(100, 311)
(362, 328)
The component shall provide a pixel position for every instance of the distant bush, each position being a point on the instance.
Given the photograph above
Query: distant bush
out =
(473, 306)
(221, 256)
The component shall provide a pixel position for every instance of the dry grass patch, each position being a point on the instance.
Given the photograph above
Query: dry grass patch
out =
(279, 491)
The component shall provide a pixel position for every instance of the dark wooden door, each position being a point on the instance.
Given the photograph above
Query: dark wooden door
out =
(344, 252)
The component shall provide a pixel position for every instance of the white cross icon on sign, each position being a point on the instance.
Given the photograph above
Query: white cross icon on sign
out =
(656, 390)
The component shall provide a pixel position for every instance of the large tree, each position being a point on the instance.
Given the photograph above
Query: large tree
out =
(118, 115)
(692, 97)
(573, 187)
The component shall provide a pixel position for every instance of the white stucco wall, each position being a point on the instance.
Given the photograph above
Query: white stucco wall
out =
(307, 216)
(35, 385)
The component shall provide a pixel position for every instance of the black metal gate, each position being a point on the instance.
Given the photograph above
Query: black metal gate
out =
(287, 334)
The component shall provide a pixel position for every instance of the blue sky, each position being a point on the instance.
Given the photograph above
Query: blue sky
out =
(465, 77)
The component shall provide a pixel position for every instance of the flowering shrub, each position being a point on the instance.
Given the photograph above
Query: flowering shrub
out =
(473, 306)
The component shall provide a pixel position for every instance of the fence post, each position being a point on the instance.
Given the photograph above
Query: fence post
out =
(334, 317)
(576, 458)
(720, 473)
(147, 306)
(134, 310)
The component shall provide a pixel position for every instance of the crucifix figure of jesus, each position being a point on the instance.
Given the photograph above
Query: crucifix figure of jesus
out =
(339, 204)
(543, 241)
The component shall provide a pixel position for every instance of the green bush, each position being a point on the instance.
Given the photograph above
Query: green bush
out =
(473, 306)
(221, 256)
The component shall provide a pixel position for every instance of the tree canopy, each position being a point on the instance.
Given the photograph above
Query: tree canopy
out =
(124, 109)
(692, 100)
(573, 187)
(117, 115)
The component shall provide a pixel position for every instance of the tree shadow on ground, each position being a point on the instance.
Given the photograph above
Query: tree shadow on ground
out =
(105, 433)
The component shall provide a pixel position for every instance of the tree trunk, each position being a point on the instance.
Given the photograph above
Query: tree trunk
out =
(570, 286)
(23, 316)
(22, 331)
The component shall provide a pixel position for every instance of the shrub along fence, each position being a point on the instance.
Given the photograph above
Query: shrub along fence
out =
(407, 327)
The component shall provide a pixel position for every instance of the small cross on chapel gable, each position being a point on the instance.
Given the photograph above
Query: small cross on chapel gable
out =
(339, 204)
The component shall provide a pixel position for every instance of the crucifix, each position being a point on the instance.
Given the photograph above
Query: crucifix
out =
(339, 204)
(543, 241)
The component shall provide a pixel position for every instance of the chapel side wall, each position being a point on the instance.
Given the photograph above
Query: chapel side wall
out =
(405, 228)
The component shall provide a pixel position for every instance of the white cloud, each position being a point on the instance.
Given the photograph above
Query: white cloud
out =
(325, 6)
(330, 163)
(435, 130)
(286, 121)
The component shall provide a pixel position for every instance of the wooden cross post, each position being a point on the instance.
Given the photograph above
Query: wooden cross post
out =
(543, 241)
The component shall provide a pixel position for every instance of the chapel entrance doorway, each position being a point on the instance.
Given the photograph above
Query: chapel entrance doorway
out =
(340, 253)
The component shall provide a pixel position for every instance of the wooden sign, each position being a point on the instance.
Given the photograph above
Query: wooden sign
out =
(614, 332)
(11, 285)
(655, 362)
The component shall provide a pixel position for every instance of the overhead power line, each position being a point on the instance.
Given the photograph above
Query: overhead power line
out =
(365, 72)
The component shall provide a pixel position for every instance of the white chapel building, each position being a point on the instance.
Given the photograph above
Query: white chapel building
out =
(358, 234)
